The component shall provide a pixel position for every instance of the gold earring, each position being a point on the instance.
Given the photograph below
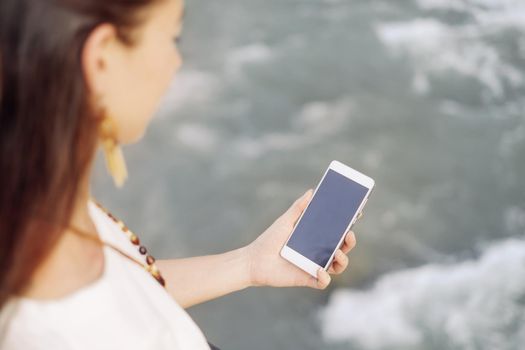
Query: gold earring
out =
(115, 162)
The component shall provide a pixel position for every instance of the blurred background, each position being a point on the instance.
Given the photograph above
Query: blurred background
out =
(425, 96)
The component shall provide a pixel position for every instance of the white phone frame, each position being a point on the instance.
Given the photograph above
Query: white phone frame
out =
(300, 260)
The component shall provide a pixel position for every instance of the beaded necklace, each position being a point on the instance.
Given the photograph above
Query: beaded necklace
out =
(150, 260)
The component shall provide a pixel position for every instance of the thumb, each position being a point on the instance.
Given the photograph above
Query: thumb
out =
(299, 205)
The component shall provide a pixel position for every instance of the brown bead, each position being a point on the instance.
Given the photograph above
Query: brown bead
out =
(150, 267)
(150, 260)
(161, 281)
(134, 239)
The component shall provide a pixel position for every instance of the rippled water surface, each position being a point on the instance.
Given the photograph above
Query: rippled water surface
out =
(426, 96)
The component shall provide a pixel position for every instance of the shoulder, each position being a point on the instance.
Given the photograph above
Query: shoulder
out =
(17, 332)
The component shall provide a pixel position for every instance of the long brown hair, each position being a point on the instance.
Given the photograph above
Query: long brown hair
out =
(48, 131)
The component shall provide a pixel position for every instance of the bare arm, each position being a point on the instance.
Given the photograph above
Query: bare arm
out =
(192, 281)
(195, 280)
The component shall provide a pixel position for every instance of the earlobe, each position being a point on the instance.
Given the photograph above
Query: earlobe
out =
(96, 55)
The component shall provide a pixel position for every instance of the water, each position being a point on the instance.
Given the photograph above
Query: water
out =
(426, 96)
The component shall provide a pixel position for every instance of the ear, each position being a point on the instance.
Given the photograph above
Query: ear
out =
(97, 55)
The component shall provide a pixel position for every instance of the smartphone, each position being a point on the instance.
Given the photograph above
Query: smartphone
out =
(336, 203)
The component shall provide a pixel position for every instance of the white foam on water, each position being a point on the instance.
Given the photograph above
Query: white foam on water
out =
(240, 57)
(198, 137)
(189, 87)
(315, 121)
(463, 305)
(404, 35)
(273, 141)
(436, 47)
(452, 108)
(321, 118)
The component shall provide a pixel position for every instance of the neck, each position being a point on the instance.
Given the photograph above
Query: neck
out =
(75, 261)
(80, 217)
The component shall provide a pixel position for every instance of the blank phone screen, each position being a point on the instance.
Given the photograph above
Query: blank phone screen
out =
(326, 219)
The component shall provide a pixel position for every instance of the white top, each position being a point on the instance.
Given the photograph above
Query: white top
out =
(124, 309)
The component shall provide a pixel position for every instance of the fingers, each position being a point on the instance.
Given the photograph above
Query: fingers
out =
(321, 282)
(350, 242)
(339, 264)
(323, 279)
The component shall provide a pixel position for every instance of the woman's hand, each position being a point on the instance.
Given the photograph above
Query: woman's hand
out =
(268, 268)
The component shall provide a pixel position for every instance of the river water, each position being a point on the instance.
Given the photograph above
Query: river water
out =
(425, 96)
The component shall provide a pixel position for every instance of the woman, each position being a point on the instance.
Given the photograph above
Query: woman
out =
(76, 74)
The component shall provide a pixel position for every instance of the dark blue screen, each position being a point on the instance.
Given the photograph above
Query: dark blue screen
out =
(325, 220)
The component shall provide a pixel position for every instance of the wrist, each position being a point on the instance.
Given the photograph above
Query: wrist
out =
(247, 263)
(244, 267)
